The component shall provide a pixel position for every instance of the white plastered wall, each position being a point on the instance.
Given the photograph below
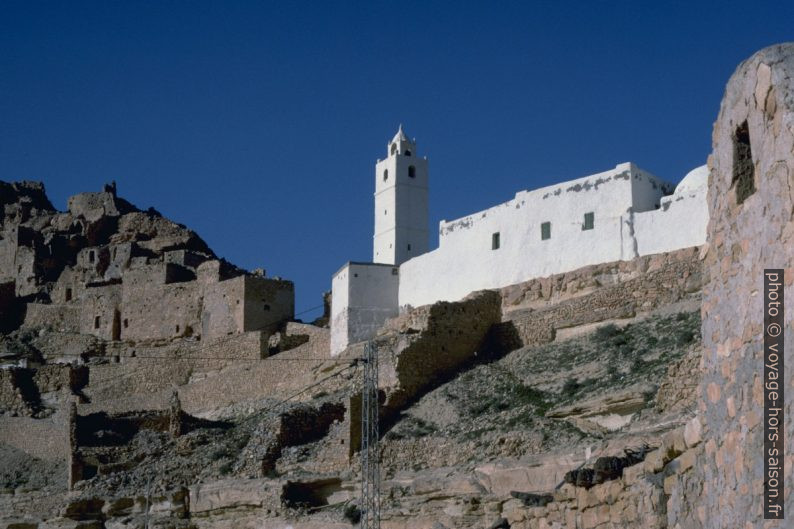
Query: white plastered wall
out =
(681, 220)
(465, 261)
(401, 209)
(363, 296)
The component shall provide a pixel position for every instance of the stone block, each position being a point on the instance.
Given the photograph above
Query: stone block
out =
(654, 462)
(513, 511)
(232, 493)
(590, 519)
(584, 498)
(616, 511)
(607, 492)
(566, 492)
(692, 432)
(633, 474)
(670, 483)
(687, 460)
(118, 507)
(673, 444)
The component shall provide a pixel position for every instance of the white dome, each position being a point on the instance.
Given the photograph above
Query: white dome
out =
(694, 179)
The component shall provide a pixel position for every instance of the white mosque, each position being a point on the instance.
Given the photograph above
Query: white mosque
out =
(619, 214)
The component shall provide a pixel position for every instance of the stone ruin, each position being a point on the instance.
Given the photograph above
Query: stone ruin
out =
(108, 269)
(751, 206)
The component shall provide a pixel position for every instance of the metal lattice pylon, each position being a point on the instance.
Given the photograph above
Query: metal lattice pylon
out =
(370, 459)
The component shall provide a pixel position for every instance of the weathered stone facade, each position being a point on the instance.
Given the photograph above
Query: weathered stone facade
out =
(107, 269)
(23, 390)
(535, 310)
(425, 346)
(751, 201)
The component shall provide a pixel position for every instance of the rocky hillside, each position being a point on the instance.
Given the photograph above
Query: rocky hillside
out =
(512, 425)
(489, 404)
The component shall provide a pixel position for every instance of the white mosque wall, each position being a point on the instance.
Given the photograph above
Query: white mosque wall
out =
(634, 213)
(363, 296)
(466, 261)
(681, 220)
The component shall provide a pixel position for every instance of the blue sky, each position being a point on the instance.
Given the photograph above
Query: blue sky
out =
(258, 123)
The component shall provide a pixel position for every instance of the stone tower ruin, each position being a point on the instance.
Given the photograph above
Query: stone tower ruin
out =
(751, 227)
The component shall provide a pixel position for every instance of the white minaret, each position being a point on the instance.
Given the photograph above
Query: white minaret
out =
(401, 212)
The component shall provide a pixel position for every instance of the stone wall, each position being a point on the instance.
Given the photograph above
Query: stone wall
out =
(536, 309)
(425, 346)
(470, 257)
(226, 375)
(149, 303)
(364, 296)
(679, 390)
(268, 303)
(43, 438)
(298, 425)
(751, 199)
(222, 308)
(151, 308)
(56, 317)
(100, 312)
(680, 221)
(29, 392)
(18, 395)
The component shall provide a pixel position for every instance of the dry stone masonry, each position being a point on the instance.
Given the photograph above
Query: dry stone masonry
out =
(101, 267)
(751, 203)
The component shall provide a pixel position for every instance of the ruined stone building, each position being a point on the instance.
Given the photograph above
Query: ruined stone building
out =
(619, 214)
(108, 269)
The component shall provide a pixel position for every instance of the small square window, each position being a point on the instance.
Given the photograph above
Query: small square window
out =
(545, 231)
(495, 241)
(589, 221)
